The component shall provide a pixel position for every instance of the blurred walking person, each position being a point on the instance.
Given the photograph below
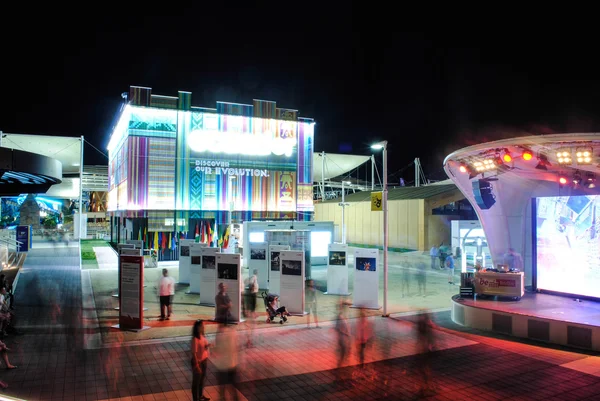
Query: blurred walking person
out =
(225, 356)
(311, 303)
(343, 337)
(405, 283)
(425, 344)
(364, 333)
(251, 296)
(450, 266)
(199, 350)
(421, 278)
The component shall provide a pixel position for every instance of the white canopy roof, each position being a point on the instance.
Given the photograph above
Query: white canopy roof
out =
(335, 165)
(66, 150)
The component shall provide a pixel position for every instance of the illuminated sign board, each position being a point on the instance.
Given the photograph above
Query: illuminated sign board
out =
(239, 143)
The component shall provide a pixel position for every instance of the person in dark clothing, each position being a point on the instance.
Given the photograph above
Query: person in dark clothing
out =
(223, 305)
(9, 290)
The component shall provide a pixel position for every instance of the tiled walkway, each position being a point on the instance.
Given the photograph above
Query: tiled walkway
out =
(285, 363)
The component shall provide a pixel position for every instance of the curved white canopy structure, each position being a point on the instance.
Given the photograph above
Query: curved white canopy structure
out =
(501, 178)
(335, 165)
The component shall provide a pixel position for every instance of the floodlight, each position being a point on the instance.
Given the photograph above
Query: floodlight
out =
(564, 156)
(584, 155)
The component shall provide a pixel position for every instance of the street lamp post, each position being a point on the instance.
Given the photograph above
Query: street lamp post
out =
(383, 145)
(343, 204)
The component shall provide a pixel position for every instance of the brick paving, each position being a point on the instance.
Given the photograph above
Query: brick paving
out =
(285, 363)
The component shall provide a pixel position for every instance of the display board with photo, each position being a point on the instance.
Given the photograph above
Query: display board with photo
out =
(227, 271)
(258, 254)
(184, 250)
(366, 264)
(275, 261)
(196, 260)
(208, 262)
(291, 267)
(337, 258)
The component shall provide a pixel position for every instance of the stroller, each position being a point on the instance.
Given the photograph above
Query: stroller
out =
(272, 313)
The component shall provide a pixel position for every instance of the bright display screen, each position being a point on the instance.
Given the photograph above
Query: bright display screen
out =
(568, 247)
(319, 243)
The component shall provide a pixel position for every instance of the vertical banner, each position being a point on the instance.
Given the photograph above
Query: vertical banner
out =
(120, 249)
(184, 260)
(195, 267)
(229, 272)
(366, 279)
(131, 300)
(337, 269)
(23, 236)
(208, 276)
(292, 281)
(274, 284)
(258, 260)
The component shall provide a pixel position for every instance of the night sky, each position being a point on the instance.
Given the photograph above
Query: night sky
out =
(428, 93)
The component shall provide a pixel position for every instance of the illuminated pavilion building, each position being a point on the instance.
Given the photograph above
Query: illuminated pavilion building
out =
(180, 170)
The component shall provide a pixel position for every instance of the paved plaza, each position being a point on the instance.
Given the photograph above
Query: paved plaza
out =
(69, 352)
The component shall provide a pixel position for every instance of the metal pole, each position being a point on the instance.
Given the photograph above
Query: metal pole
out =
(372, 172)
(322, 176)
(385, 231)
(81, 188)
(343, 215)
(417, 171)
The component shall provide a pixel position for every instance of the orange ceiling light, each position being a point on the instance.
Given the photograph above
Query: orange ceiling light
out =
(507, 158)
(527, 155)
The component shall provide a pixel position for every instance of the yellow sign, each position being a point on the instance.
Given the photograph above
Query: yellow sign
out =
(376, 202)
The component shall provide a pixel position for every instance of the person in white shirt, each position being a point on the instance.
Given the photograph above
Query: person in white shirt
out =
(166, 290)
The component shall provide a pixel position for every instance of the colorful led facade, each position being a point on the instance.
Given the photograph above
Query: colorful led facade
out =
(170, 162)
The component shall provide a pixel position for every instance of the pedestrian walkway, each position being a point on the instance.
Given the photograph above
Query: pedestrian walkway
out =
(56, 312)
(106, 257)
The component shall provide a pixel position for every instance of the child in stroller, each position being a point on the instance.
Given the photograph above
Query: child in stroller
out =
(273, 309)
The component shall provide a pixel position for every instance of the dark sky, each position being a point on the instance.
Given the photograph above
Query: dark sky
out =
(428, 93)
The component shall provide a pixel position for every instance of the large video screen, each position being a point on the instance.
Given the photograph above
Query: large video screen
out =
(568, 245)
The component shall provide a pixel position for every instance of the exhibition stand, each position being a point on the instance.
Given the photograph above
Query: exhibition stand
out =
(184, 260)
(500, 284)
(337, 270)
(258, 260)
(208, 276)
(229, 273)
(195, 267)
(131, 301)
(292, 281)
(298, 240)
(274, 284)
(366, 279)
(322, 233)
